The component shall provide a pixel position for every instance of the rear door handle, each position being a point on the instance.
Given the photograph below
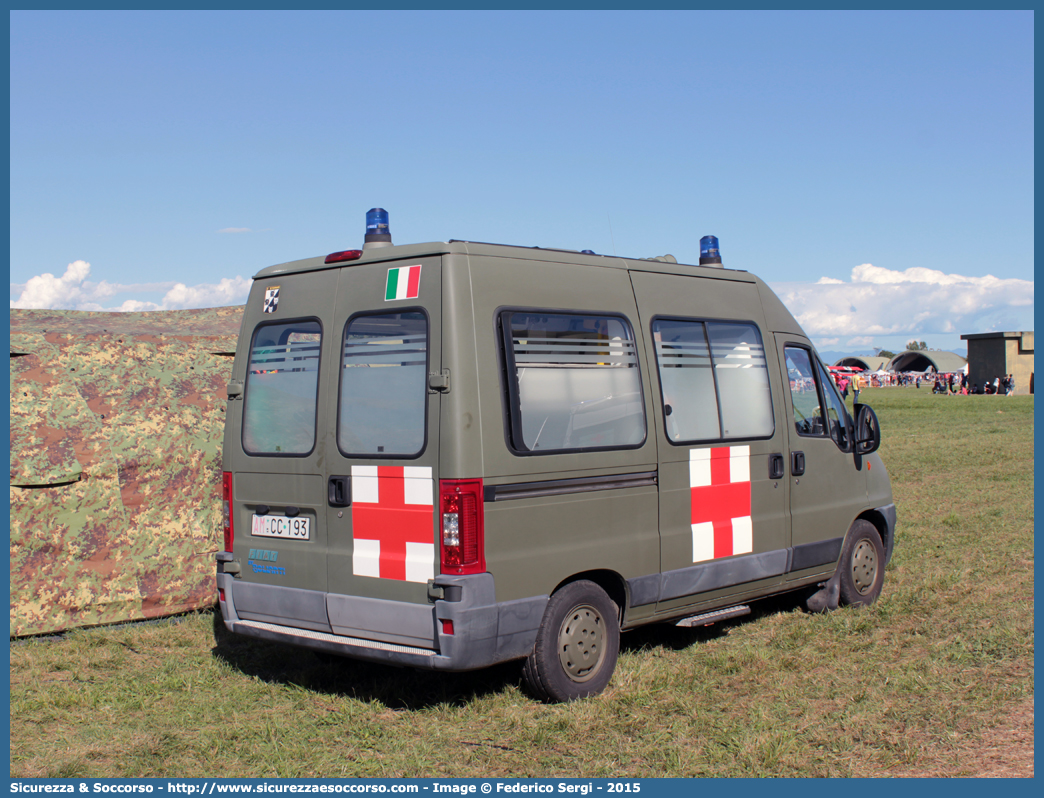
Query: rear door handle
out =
(797, 463)
(339, 491)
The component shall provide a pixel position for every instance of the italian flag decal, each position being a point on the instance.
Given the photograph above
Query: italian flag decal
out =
(403, 283)
(719, 481)
(393, 513)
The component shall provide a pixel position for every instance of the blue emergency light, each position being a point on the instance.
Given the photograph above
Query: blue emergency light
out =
(377, 230)
(709, 250)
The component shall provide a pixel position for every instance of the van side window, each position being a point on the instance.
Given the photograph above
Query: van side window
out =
(808, 414)
(576, 383)
(837, 414)
(690, 398)
(743, 383)
(714, 380)
(281, 388)
(382, 408)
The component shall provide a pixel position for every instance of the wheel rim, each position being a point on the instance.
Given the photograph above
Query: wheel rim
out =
(581, 643)
(864, 566)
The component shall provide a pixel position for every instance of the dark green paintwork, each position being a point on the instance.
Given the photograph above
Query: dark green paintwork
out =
(533, 545)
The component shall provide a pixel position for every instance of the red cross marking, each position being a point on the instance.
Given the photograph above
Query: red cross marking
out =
(393, 522)
(720, 502)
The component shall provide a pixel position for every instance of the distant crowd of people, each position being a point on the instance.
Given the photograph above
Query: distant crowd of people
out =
(950, 384)
(958, 384)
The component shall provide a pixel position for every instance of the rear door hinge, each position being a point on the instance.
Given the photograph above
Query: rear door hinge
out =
(439, 381)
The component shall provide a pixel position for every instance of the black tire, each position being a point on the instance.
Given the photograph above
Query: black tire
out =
(577, 645)
(862, 565)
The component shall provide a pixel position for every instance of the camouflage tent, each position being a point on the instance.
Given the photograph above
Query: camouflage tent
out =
(116, 427)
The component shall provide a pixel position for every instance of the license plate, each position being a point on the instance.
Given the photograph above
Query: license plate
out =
(278, 526)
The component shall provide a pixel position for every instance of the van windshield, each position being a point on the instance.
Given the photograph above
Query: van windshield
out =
(384, 369)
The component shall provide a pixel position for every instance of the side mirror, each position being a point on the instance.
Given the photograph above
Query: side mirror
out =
(867, 430)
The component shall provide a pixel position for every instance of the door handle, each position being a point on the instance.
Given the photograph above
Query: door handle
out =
(339, 492)
(797, 463)
(775, 466)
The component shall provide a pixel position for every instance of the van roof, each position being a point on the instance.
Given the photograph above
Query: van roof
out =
(454, 246)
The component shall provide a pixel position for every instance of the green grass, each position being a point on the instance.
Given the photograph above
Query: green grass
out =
(911, 686)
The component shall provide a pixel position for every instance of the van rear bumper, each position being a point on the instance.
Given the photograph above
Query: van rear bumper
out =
(484, 632)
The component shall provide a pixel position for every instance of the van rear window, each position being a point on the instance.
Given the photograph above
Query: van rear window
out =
(714, 380)
(384, 386)
(576, 383)
(281, 389)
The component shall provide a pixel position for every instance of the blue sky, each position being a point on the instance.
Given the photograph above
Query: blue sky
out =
(876, 168)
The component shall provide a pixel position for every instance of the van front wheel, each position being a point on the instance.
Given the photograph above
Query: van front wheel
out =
(862, 565)
(576, 646)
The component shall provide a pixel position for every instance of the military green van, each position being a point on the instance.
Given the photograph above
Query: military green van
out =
(454, 454)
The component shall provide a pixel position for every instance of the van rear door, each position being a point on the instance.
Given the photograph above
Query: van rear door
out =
(275, 448)
(382, 465)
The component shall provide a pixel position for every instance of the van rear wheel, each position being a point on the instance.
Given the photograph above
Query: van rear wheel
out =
(862, 565)
(576, 646)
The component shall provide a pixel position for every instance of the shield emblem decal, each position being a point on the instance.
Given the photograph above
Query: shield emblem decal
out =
(271, 299)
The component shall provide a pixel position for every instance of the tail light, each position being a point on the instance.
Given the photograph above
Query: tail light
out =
(226, 509)
(463, 544)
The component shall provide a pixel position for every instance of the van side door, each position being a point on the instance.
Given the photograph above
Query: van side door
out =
(722, 513)
(827, 492)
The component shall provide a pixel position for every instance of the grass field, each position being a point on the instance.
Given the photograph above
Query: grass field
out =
(935, 679)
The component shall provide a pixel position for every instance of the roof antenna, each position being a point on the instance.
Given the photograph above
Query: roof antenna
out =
(611, 234)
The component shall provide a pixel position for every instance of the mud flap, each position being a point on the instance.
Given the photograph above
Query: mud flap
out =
(826, 598)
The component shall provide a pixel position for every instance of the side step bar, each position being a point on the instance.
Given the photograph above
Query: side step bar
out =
(287, 634)
(707, 618)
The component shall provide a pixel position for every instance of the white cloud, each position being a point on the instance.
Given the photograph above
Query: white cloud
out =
(136, 306)
(876, 302)
(47, 291)
(879, 301)
(230, 291)
(235, 230)
(73, 291)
